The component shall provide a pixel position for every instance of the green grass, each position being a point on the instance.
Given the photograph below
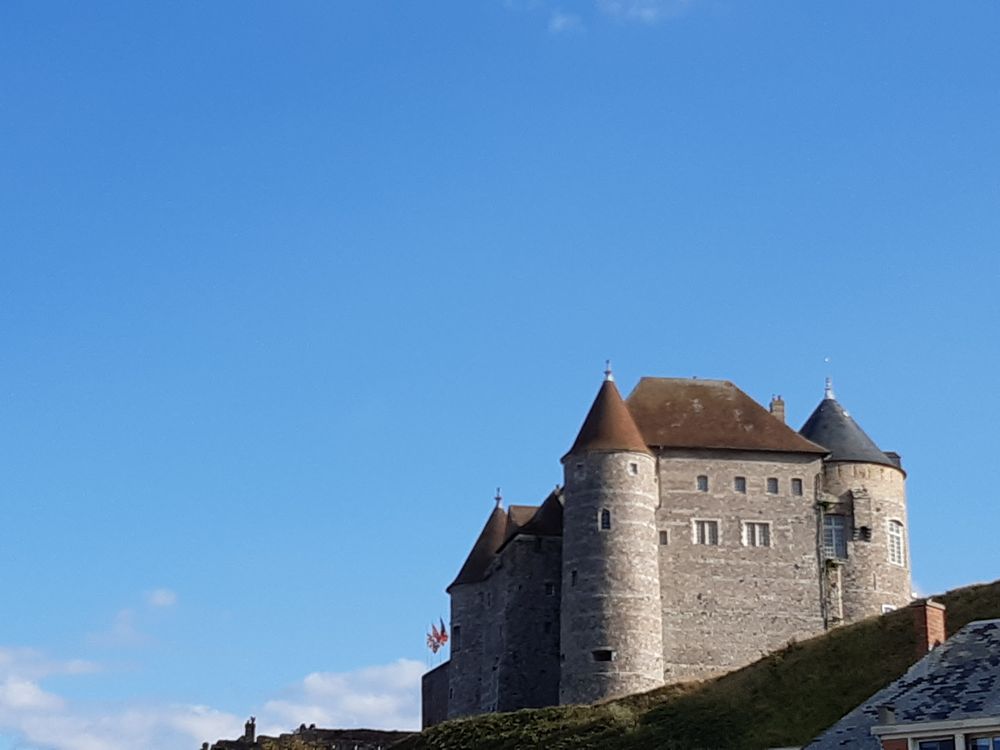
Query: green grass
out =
(786, 698)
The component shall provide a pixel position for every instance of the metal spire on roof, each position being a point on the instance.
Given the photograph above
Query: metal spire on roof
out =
(608, 375)
(499, 498)
(828, 391)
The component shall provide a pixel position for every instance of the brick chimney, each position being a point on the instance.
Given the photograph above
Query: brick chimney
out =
(929, 625)
(778, 407)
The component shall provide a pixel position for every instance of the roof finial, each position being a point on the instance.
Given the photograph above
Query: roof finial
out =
(608, 375)
(828, 391)
(498, 498)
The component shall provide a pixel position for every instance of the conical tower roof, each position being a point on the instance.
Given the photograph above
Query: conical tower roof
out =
(609, 426)
(832, 427)
(485, 548)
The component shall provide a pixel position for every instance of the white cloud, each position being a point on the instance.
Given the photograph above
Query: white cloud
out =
(645, 11)
(161, 598)
(380, 697)
(560, 22)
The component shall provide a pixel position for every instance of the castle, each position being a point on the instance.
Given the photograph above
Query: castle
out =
(694, 532)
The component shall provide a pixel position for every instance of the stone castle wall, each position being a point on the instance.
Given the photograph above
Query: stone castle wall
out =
(869, 496)
(528, 675)
(468, 623)
(611, 635)
(712, 607)
(727, 604)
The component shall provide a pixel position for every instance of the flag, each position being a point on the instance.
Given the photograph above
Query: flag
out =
(432, 643)
(444, 633)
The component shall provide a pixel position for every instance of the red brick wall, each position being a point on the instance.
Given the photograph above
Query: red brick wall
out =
(929, 624)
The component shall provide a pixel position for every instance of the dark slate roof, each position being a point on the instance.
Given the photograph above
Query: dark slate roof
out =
(832, 427)
(694, 413)
(958, 680)
(608, 426)
(484, 550)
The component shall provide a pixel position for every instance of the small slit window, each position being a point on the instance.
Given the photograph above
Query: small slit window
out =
(550, 589)
(702, 483)
(605, 519)
(456, 637)
(633, 468)
(572, 578)
(603, 654)
(664, 538)
(740, 484)
(797, 487)
(772, 485)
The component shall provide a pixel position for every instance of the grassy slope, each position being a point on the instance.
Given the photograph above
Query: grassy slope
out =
(786, 698)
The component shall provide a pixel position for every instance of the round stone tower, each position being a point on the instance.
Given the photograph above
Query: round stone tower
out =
(611, 622)
(863, 518)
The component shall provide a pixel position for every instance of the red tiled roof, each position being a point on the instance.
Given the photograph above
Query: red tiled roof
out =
(484, 550)
(608, 426)
(690, 413)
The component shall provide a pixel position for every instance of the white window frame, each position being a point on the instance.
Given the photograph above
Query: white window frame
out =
(746, 533)
(830, 551)
(896, 542)
(718, 531)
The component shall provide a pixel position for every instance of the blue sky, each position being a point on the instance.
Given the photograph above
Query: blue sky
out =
(287, 289)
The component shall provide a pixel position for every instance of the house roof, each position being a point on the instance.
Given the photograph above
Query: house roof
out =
(694, 413)
(608, 426)
(832, 427)
(958, 680)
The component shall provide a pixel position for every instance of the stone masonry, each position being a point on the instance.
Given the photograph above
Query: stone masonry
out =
(694, 532)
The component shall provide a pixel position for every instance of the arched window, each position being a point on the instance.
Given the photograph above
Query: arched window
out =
(605, 519)
(897, 552)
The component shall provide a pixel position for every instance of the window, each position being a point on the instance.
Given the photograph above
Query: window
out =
(702, 483)
(664, 539)
(706, 532)
(897, 555)
(633, 468)
(581, 472)
(547, 628)
(797, 487)
(456, 637)
(605, 519)
(603, 654)
(572, 578)
(772, 485)
(835, 536)
(942, 744)
(550, 589)
(983, 743)
(756, 534)
(740, 484)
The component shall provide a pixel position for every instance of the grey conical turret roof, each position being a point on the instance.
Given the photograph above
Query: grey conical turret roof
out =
(832, 427)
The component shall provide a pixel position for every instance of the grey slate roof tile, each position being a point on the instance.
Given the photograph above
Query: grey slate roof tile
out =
(958, 680)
